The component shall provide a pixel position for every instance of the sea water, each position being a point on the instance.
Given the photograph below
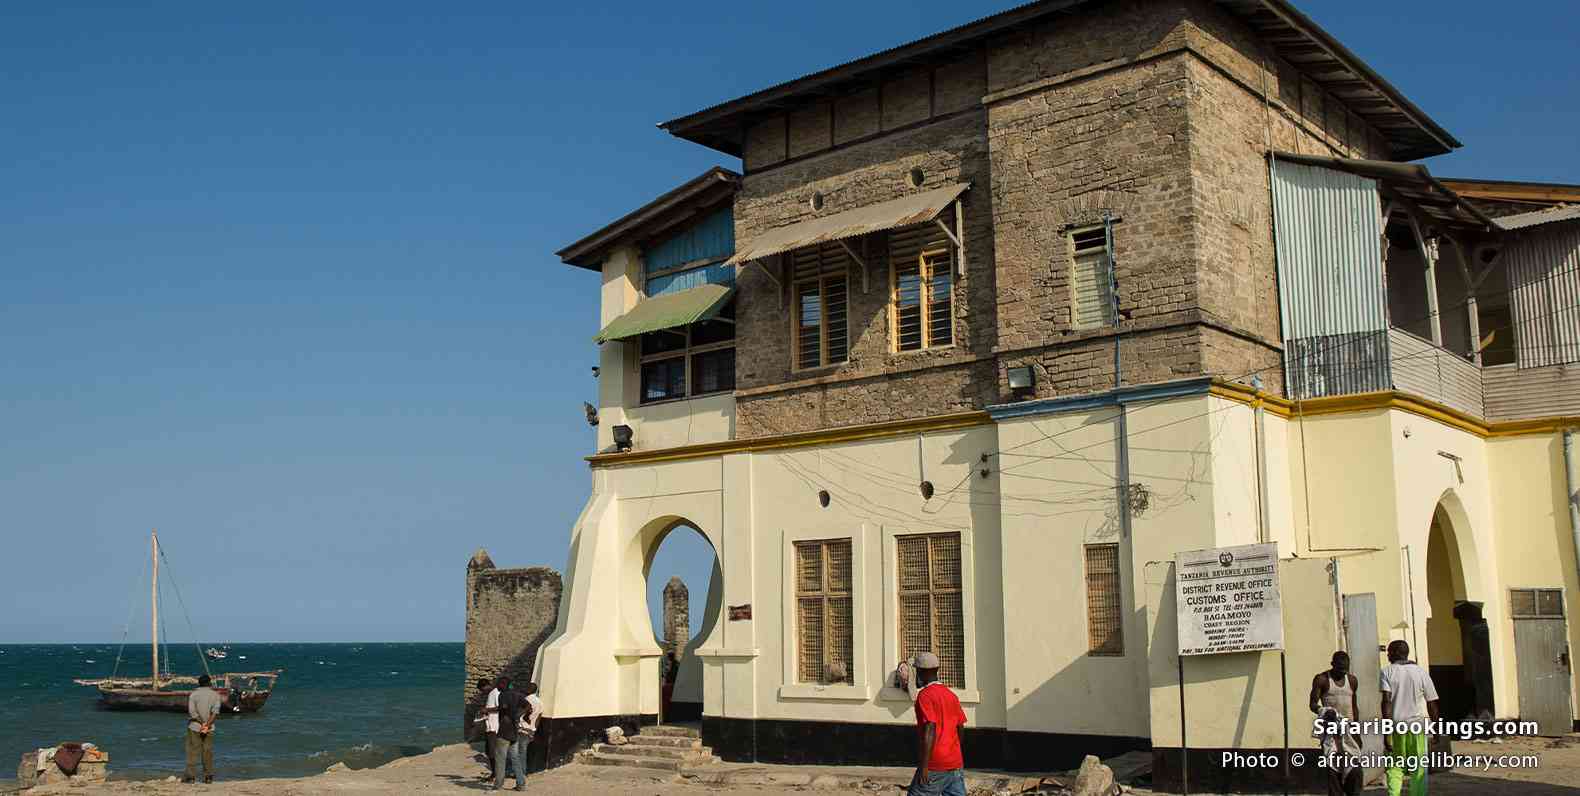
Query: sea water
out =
(363, 704)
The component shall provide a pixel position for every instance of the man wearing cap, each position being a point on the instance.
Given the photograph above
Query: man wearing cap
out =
(938, 721)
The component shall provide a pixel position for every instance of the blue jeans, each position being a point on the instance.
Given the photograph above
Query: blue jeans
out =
(940, 783)
(513, 754)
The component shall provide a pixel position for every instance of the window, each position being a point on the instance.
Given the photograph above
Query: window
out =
(1104, 614)
(1091, 283)
(821, 333)
(1536, 603)
(823, 612)
(701, 355)
(930, 602)
(922, 274)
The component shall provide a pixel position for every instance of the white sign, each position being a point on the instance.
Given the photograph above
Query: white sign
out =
(1228, 600)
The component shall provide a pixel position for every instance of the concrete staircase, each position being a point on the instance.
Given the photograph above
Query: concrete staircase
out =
(660, 748)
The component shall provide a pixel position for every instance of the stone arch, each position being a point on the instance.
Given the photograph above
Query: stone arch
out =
(1457, 638)
(636, 626)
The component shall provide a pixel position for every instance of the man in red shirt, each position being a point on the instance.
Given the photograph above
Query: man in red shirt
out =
(938, 721)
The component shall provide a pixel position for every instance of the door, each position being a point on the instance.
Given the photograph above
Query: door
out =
(1541, 656)
(1360, 641)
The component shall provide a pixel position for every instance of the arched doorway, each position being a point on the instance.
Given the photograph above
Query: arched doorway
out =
(684, 591)
(1458, 642)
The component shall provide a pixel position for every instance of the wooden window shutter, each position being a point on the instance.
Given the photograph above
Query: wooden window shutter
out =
(1104, 608)
(824, 621)
(1091, 284)
(930, 602)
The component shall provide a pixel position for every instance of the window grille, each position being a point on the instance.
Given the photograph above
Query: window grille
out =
(1104, 608)
(821, 278)
(930, 609)
(922, 288)
(823, 611)
(1091, 283)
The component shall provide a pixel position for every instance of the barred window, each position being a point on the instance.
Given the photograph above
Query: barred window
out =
(922, 276)
(930, 602)
(1104, 615)
(821, 333)
(1091, 283)
(823, 612)
(1536, 603)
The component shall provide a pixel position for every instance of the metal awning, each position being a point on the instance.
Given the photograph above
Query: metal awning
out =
(915, 209)
(668, 311)
(1410, 186)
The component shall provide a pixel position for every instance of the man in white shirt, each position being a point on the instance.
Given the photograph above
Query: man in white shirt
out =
(1408, 695)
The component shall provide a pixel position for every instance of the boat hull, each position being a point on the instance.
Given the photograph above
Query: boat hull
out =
(176, 701)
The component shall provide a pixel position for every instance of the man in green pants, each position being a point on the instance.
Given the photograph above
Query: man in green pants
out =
(1407, 696)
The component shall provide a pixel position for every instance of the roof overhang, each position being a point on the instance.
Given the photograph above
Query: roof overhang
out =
(1534, 193)
(669, 311)
(1409, 184)
(1292, 34)
(1539, 217)
(673, 208)
(907, 210)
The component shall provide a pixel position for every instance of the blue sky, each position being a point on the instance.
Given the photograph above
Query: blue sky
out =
(279, 279)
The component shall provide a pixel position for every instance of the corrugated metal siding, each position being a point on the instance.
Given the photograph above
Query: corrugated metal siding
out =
(716, 274)
(1435, 373)
(710, 238)
(1544, 282)
(1515, 393)
(1328, 233)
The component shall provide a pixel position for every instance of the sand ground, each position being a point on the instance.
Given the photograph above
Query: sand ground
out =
(454, 769)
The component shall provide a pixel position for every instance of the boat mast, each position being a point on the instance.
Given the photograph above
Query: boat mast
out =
(155, 545)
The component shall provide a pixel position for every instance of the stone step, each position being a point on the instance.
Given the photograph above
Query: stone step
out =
(667, 741)
(598, 758)
(699, 753)
(671, 731)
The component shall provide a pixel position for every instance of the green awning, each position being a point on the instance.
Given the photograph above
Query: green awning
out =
(668, 311)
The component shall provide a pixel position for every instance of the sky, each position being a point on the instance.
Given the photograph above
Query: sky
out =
(278, 279)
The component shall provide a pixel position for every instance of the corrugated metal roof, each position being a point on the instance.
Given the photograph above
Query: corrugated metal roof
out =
(1538, 217)
(915, 209)
(667, 312)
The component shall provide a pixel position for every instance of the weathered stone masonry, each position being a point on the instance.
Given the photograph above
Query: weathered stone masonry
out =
(509, 614)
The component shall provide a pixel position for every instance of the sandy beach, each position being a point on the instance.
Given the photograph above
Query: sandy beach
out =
(454, 769)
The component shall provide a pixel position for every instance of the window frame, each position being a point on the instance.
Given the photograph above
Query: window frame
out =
(1118, 574)
(944, 252)
(686, 352)
(1110, 315)
(822, 281)
(970, 694)
(860, 688)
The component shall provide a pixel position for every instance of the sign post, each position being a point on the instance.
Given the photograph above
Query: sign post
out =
(1227, 600)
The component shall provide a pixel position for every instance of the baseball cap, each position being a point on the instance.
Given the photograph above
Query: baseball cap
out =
(927, 660)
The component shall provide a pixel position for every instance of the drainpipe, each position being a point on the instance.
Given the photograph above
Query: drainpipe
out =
(1572, 491)
(1263, 521)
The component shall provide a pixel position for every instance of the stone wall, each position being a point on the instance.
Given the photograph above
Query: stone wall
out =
(1159, 114)
(509, 614)
(677, 617)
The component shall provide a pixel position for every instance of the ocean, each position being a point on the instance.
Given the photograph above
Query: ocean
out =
(364, 704)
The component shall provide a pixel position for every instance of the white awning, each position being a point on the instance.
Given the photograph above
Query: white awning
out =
(915, 209)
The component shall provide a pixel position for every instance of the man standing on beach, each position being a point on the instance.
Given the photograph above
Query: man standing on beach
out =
(481, 721)
(504, 705)
(939, 769)
(1408, 695)
(202, 709)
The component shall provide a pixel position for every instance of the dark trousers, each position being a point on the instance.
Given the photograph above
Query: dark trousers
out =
(1347, 783)
(200, 745)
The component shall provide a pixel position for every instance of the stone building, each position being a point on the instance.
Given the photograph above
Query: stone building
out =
(991, 325)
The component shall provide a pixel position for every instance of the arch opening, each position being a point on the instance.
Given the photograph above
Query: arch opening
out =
(1458, 641)
(684, 586)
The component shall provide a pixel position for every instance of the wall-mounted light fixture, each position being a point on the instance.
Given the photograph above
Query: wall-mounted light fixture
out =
(1022, 378)
(592, 413)
(622, 438)
(595, 371)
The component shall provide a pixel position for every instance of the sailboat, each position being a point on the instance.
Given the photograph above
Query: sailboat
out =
(241, 692)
